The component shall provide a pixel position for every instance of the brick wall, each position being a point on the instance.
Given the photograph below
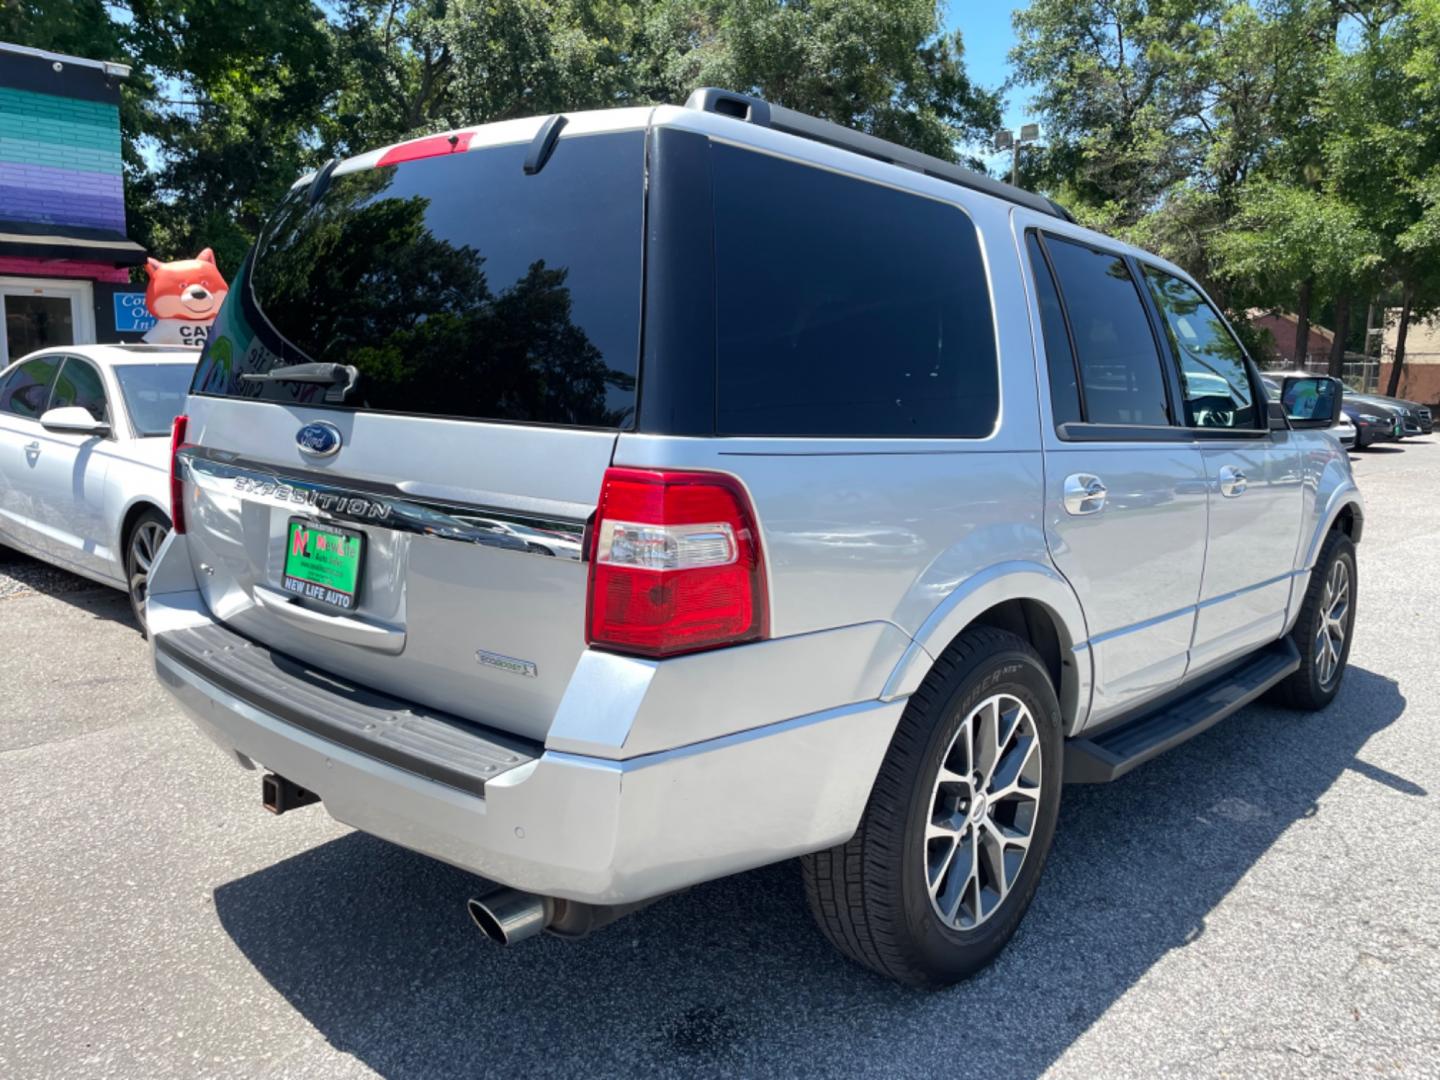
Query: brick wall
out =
(60, 160)
(1418, 382)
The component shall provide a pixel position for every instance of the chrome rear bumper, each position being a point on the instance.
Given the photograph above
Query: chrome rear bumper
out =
(559, 823)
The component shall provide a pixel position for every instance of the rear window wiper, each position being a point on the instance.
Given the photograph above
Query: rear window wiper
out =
(340, 378)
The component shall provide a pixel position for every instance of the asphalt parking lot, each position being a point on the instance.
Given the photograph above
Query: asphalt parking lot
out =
(1263, 900)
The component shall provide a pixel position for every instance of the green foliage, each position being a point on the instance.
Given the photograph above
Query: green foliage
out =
(1284, 234)
(1275, 148)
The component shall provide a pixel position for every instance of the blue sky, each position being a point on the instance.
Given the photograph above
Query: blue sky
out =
(988, 38)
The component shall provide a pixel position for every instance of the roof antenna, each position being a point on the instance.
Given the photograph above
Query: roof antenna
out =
(543, 144)
(321, 181)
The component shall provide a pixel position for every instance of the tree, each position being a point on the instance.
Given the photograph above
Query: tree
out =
(1285, 239)
(1381, 144)
(1121, 93)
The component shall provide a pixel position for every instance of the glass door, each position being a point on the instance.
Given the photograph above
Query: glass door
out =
(39, 314)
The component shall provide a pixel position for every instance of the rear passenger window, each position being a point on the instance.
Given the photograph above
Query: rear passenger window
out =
(1120, 374)
(1059, 357)
(1213, 374)
(28, 388)
(845, 308)
(79, 384)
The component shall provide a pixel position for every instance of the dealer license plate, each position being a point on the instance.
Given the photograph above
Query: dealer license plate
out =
(323, 563)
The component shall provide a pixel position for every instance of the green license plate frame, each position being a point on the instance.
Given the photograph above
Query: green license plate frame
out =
(323, 562)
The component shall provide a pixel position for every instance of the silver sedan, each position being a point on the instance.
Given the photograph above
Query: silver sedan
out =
(85, 457)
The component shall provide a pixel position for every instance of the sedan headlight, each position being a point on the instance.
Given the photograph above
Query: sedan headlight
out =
(1371, 418)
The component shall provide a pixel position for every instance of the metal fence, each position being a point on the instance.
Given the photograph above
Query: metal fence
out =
(1360, 373)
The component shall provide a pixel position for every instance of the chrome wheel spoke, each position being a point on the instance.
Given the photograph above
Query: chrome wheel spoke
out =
(1010, 771)
(995, 881)
(986, 723)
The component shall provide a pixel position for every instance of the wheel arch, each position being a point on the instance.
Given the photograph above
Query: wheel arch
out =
(1027, 599)
(129, 517)
(1344, 510)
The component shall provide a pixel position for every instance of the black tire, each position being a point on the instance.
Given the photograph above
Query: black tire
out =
(140, 545)
(870, 895)
(1307, 688)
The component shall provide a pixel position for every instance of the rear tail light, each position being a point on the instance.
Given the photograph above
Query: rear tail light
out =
(676, 564)
(177, 486)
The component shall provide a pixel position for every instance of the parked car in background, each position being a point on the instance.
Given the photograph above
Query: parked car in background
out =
(1373, 423)
(1404, 424)
(85, 457)
(1344, 430)
(767, 597)
(1415, 418)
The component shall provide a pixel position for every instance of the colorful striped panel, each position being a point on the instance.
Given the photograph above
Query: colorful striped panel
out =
(60, 161)
(21, 267)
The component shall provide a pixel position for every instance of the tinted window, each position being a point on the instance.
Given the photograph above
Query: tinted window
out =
(154, 394)
(1059, 357)
(846, 308)
(80, 385)
(1119, 366)
(1213, 377)
(28, 387)
(458, 285)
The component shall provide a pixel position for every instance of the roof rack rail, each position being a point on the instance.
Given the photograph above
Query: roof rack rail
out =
(754, 110)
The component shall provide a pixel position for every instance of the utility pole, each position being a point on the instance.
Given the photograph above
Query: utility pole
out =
(1009, 140)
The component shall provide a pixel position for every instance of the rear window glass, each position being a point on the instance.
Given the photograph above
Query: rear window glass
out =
(457, 285)
(155, 394)
(846, 308)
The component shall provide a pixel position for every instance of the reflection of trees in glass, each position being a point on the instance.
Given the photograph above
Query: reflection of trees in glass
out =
(360, 279)
(1211, 362)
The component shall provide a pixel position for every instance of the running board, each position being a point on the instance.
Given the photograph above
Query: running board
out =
(1112, 753)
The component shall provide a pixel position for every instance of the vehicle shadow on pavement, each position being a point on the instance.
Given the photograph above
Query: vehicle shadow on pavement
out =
(22, 575)
(372, 945)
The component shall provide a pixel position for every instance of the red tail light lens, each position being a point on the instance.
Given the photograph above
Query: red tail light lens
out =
(675, 564)
(177, 486)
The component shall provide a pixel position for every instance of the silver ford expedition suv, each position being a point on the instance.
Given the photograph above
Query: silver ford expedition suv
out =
(609, 502)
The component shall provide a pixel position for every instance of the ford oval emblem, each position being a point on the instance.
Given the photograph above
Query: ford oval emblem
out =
(319, 439)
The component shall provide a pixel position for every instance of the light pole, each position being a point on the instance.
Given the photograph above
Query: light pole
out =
(1009, 140)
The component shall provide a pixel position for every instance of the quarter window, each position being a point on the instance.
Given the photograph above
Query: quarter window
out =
(28, 387)
(80, 385)
(845, 308)
(1213, 375)
(1120, 374)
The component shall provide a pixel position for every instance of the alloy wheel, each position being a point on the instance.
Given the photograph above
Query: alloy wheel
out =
(983, 811)
(1334, 616)
(144, 546)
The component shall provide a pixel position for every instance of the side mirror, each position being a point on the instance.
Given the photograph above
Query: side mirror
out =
(73, 420)
(1311, 401)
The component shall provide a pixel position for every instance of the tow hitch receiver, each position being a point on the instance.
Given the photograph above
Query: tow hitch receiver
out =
(279, 794)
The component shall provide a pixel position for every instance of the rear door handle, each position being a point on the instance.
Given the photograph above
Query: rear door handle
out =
(1084, 494)
(1232, 481)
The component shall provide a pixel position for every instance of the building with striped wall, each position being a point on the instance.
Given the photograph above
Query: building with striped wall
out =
(64, 254)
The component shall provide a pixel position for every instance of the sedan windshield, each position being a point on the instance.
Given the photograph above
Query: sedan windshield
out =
(154, 394)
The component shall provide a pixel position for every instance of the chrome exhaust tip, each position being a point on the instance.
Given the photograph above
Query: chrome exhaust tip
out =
(508, 915)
